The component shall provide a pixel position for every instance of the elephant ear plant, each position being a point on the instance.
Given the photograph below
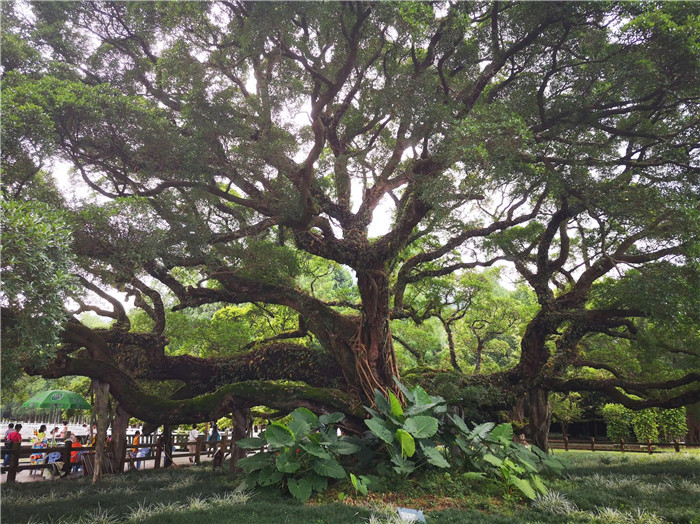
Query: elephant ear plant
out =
(409, 433)
(300, 456)
(490, 453)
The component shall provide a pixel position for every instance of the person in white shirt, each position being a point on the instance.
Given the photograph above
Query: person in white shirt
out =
(192, 440)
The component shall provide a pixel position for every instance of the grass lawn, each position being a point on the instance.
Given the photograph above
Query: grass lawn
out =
(604, 488)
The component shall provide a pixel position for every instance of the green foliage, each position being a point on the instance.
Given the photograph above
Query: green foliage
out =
(301, 455)
(645, 425)
(407, 431)
(672, 423)
(489, 453)
(36, 280)
(618, 420)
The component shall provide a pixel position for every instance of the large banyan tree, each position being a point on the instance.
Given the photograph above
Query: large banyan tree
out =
(218, 142)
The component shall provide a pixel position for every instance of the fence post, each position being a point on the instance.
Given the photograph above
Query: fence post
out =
(649, 446)
(159, 450)
(66, 457)
(566, 443)
(622, 445)
(14, 462)
(677, 445)
(592, 443)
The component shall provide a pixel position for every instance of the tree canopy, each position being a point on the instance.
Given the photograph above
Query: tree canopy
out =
(243, 153)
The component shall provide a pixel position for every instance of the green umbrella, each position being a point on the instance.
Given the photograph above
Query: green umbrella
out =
(57, 398)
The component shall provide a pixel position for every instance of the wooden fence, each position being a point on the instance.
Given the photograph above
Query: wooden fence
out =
(156, 453)
(622, 446)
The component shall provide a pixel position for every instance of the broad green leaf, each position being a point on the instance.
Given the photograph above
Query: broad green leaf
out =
(328, 468)
(539, 485)
(524, 486)
(287, 463)
(502, 432)
(318, 482)
(421, 396)
(380, 429)
(410, 397)
(408, 445)
(493, 459)
(269, 476)
(251, 443)
(420, 408)
(305, 415)
(434, 457)
(396, 408)
(255, 462)
(344, 447)
(481, 431)
(381, 402)
(299, 428)
(358, 484)
(278, 436)
(460, 424)
(331, 418)
(312, 448)
(474, 475)
(421, 426)
(300, 489)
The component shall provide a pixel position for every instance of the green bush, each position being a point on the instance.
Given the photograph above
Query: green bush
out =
(645, 424)
(672, 424)
(300, 456)
(618, 420)
(407, 434)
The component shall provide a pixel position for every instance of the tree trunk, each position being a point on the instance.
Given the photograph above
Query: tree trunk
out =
(540, 413)
(101, 410)
(241, 429)
(479, 352)
(375, 360)
(451, 345)
(121, 422)
(167, 446)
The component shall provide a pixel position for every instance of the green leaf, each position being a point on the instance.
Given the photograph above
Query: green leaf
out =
(410, 397)
(278, 436)
(408, 445)
(331, 418)
(358, 484)
(422, 397)
(255, 462)
(344, 447)
(493, 459)
(299, 428)
(460, 424)
(269, 476)
(251, 443)
(474, 475)
(481, 431)
(305, 415)
(381, 402)
(318, 482)
(380, 429)
(434, 457)
(328, 468)
(524, 487)
(300, 489)
(503, 432)
(315, 449)
(396, 408)
(539, 485)
(421, 426)
(420, 408)
(287, 463)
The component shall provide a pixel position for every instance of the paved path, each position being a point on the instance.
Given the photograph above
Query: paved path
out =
(26, 476)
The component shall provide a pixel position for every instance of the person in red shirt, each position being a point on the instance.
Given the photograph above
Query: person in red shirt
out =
(12, 437)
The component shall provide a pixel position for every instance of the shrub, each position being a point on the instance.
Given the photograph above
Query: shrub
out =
(645, 425)
(672, 424)
(300, 456)
(617, 419)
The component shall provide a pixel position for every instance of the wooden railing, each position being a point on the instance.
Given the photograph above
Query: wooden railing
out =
(592, 444)
(156, 455)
